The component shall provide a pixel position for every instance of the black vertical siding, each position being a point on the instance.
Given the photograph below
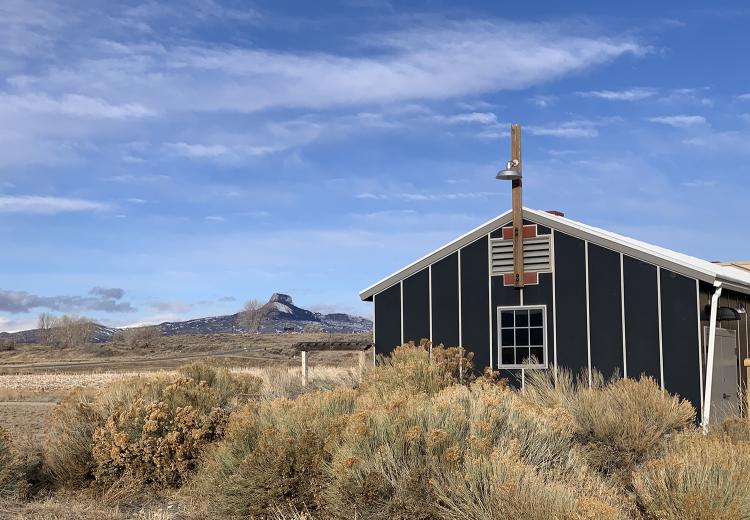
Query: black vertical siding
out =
(679, 327)
(417, 306)
(388, 320)
(605, 310)
(475, 302)
(504, 296)
(541, 294)
(641, 318)
(570, 293)
(445, 301)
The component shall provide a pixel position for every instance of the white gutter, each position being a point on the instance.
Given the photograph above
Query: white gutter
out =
(710, 356)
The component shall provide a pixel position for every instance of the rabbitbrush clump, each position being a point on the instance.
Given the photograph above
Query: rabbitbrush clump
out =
(152, 428)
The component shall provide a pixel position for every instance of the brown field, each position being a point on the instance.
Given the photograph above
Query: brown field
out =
(33, 378)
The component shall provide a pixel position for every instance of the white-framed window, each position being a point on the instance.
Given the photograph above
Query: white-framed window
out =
(522, 336)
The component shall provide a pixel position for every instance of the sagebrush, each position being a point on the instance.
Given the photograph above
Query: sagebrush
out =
(421, 437)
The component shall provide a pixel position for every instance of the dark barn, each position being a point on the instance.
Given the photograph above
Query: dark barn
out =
(591, 299)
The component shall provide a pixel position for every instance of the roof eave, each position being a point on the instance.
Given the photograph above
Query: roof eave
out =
(431, 258)
(595, 236)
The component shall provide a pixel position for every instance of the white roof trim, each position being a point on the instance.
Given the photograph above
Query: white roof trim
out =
(672, 260)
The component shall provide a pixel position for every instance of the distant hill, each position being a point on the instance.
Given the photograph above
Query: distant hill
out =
(283, 316)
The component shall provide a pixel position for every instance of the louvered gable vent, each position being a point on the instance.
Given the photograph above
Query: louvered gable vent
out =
(536, 256)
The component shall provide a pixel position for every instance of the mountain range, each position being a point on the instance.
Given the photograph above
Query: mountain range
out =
(281, 315)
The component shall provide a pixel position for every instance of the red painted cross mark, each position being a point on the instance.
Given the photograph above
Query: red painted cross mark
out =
(529, 231)
(528, 279)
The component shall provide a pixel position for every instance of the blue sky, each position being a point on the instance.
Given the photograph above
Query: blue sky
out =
(162, 161)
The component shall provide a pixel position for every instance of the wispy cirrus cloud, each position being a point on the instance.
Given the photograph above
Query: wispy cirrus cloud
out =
(218, 151)
(416, 197)
(679, 121)
(632, 94)
(568, 129)
(73, 105)
(436, 61)
(38, 205)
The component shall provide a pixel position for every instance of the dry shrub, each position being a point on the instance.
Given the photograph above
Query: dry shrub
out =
(273, 456)
(449, 456)
(619, 424)
(409, 370)
(154, 427)
(286, 383)
(733, 429)
(500, 485)
(154, 442)
(67, 450)
(9, 470)
(700, 478)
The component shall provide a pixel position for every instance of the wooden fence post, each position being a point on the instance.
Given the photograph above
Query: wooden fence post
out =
(304, 368)
(746, 363)
(361, 365)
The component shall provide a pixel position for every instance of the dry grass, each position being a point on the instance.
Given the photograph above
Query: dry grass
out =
(172, 351)
(411, 441)
(696, 478)
(52, 386)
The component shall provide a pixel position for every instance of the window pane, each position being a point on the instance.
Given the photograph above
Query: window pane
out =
(522, 337)
(537, 336)
(522, 318)
(506, 319)
(523, 355)
(535, 317)
(507, 339)
(538, 354)
(508, 357)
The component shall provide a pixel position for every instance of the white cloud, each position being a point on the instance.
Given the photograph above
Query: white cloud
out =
(543, 101)
(482, 118)
(433, 62)
(633, 94)
(570, 129)
(135, 200)
(417, 197)
(679, 121)
(727, 142)
(72, 105)
(218, 151)
(215, 218)
(35, 205)
(744, 97)
(170, 306)
(700, 183)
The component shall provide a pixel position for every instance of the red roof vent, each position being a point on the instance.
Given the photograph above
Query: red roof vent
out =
(555, 213)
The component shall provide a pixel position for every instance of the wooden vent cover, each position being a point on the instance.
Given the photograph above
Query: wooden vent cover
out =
(536, 255)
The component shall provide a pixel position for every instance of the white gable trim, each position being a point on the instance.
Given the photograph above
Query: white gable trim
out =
(677, 262)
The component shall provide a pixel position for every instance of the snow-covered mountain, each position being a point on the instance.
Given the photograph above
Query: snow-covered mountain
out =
(281, 315)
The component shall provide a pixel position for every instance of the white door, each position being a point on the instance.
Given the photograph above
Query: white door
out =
(725, 388)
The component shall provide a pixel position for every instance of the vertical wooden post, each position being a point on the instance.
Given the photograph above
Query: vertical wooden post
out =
(361, 365)
(515, 138)
(304, 368)
(746, 363)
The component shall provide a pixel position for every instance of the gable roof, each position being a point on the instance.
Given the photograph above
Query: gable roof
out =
(687, 265)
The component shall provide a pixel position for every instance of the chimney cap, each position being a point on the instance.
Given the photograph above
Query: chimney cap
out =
(556, 212)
